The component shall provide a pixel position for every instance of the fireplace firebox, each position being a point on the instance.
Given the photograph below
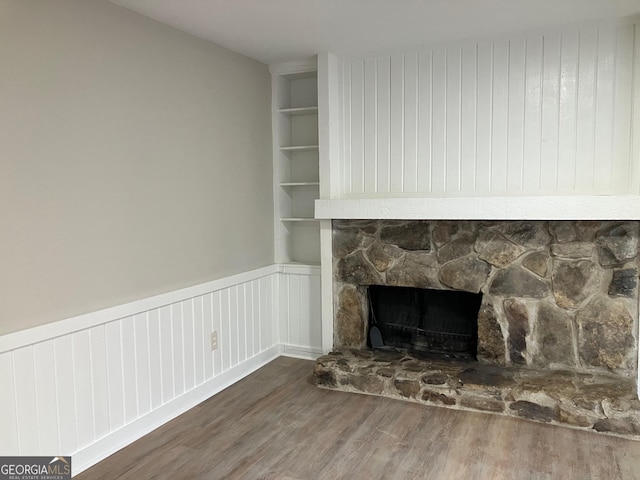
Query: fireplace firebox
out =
(438, 322)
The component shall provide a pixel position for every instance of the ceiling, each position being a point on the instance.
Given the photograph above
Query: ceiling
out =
(274, 31)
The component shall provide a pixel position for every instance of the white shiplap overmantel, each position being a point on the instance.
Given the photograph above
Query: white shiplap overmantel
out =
(573, 207)
(537, 125)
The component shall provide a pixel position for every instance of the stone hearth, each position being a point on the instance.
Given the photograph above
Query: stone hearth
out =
(559, 316)
(601, 402)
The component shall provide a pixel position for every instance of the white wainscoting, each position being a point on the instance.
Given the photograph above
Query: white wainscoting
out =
(90, 385)
(541, 113)
(300, 315)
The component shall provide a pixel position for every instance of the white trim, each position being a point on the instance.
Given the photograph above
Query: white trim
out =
(583, 207)
(108, 445)
(329, 130)
(300, 351)
(326, 281)
(53, 330)
(299, 269)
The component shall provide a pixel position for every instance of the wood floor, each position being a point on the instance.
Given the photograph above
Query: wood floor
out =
(275, 424)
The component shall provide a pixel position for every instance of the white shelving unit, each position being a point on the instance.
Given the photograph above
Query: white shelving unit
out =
(295, 162)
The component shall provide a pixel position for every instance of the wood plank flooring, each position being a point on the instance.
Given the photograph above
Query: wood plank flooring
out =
(275, 424)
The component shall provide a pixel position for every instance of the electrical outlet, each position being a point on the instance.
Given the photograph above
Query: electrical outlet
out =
(214, 341)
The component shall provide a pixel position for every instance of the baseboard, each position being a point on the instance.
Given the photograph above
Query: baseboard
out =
(119, 439)
(300, 351)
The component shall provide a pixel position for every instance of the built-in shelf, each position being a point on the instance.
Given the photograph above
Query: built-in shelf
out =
(299, 148)
(300, 184)
(296, 265)
(299, 219)
(299, 110)
(295, 161)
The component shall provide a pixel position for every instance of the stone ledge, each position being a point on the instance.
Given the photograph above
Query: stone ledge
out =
(601, 403)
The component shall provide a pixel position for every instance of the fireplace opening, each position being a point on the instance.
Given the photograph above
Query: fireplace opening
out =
(440, 322)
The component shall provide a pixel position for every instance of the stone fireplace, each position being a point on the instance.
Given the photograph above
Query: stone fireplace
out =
(556, 328)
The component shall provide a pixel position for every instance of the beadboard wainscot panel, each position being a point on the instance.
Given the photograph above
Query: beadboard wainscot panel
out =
(300, 311)
(90, 385)
(539, 113)
(8, 420)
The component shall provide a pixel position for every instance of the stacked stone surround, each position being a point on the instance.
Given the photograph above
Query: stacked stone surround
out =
(559, 295)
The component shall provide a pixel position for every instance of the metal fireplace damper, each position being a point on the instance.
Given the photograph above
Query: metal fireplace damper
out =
(443, 323)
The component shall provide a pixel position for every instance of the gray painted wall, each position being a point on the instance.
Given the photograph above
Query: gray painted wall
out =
(134, 160)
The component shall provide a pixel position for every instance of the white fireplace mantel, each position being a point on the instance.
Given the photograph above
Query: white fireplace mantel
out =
(581, 207)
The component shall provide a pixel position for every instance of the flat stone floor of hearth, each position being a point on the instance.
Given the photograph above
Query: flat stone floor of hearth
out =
(602, 402)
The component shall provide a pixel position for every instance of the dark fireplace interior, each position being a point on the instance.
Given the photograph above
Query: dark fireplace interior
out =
(435, 322)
